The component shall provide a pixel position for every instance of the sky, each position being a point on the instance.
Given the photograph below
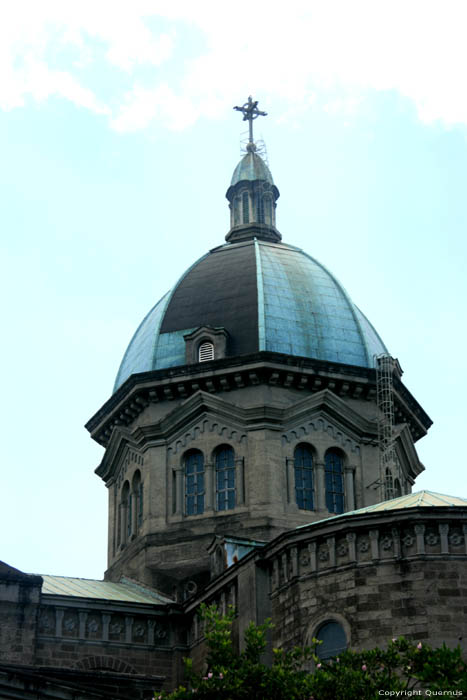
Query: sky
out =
(118, 141)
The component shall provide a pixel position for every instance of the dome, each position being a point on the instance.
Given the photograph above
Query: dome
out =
(267, 296)
(251, 167)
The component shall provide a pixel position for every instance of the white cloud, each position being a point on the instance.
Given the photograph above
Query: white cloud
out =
(321, 47)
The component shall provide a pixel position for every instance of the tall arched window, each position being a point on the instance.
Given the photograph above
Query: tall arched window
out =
(246, 208)
(397, 488)
(126, 509)
(303, 467)
(194, 483)
(225, 478)
(260, 204)
(236, 211)
(137, 489)
(334, 482)
(267, 204)
(332, 636)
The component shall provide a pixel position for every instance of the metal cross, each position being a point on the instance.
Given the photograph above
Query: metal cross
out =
(250, 111)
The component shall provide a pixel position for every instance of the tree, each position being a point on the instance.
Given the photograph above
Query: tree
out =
(365, 675)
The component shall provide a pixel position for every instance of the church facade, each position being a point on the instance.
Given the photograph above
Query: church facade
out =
(243, 462)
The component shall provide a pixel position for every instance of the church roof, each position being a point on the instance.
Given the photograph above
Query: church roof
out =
(267, 296)
(126, 591)
(251, 167)
(424, 499)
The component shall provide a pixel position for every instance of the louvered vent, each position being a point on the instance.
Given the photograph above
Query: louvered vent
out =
(206, 352)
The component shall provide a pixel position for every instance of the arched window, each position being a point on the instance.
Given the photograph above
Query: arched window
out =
(388, 485)
(332, 636)
(225, 478)
(303, 467)
(397, 488)
(126, 508)
(194, 483)
(246, 208)
(334, 482)
(267, 205)
(260, 208)
(236, 211)
(137, 489)
(205, 352)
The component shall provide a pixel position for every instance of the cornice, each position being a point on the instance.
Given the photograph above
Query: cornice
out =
(267, 368)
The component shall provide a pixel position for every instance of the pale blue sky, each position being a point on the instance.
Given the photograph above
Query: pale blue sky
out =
(118, 141)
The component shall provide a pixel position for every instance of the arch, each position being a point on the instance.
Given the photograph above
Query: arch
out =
(224, 460)
(303, 471)
(104, 663)
(205, 351)
(194, 482)
(334, 480)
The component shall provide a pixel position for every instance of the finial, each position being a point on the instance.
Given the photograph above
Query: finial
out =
(250, 111)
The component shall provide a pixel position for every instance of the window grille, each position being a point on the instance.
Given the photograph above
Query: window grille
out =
(334, 482)
(206, 352)
(194, 483)
(225, 478)
(303, 467)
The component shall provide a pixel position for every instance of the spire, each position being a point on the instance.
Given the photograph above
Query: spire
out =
(252, 193)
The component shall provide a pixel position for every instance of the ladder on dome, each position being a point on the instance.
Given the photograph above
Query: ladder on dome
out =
(389, 467)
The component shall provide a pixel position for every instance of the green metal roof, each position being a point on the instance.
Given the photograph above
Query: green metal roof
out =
(125, 591)
(411, 500)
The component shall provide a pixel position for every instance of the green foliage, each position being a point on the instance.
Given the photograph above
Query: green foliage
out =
(402, 667)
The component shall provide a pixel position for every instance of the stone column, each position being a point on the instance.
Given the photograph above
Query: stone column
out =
(312, 551)
(349, 488)
(420, 533)
(105, 626)
(374, 535)
(240, 481)
(83, 616)
(179, 491)
(58, 621)
(290, 478)
(443, 532)
(320, 489)
(351, 540)
(210, 486)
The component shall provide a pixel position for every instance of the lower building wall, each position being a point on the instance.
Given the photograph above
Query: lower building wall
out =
(423, 600)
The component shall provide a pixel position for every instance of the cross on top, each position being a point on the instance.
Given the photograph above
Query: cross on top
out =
(250, 111)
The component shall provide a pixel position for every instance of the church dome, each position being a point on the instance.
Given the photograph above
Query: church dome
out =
(266, 296)
(251, 167)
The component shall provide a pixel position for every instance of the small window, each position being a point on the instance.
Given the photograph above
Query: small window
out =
(206, 352)
(334, 641)
(303, 467)
(334, 482)
(260, 208)
(225, 478)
